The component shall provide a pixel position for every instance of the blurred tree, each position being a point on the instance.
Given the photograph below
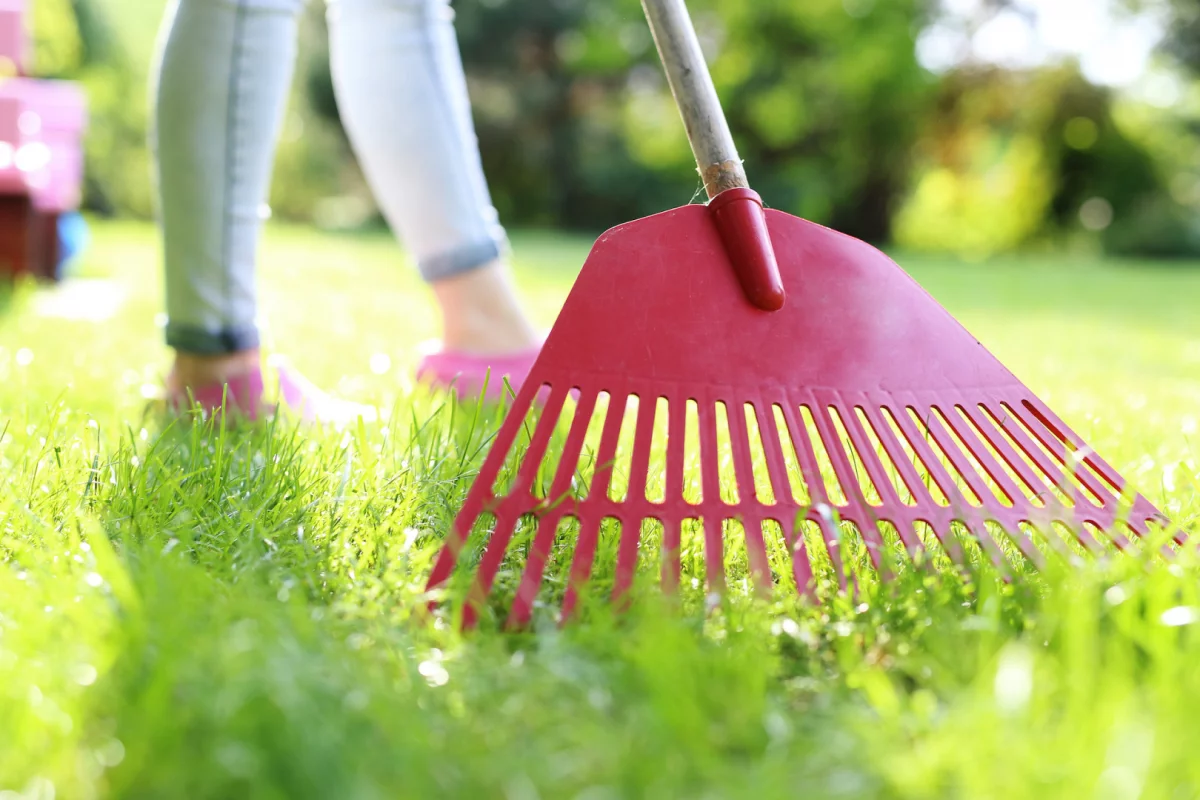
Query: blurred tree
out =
(831, 111)
(74, 39)
(985, 182)
(1012, 156)
(577, 125)
(57, 45)
(1183, 34)
(827, 101)
(108, 46)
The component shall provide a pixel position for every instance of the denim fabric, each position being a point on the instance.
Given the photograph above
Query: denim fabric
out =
(221, 83)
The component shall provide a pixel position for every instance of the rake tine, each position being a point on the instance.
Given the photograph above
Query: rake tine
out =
(560, 484)
(581, 565)
(1124, 516)
(870, 459)
(806, 457)
(585, 549)
(457, 537)
(1118, 485)
(1058, 547)
(756, 552)
(1025, 544)
(1059, 434)
(873, 540)
(777, 469)
(912, 543)
(546, 424)
(714, 554)
(627, 557)
(1141, 529)
(938, 428)
(1065, 531)
(739, 447)
(1111, 529)
(1014, 427)
(965, 427)
(940, 476)
(640, 460)
(743, 468)
(539, 555)
(949, 543)
(851, 486)
(831, 536)
(493, 555)
(673, 491)
(986, 423)
(933, 464)
(1005, 422)
(671, 568)
(607, 451)
(887, 557)
(977, 529)
(802, 571)
(535, 568)
(995, 471)
(883, 484)
(676, 431)
(710, 476)
(908, 472)
(481, 489)
(631, 535)
(1090, 542)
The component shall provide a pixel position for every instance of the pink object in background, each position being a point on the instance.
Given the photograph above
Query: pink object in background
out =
(14, 38)
(41, 153)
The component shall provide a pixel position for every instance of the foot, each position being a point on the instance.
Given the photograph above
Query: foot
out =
(486, 336)
(466, 374)
(481, 314)
(194, 371)
(238, 386)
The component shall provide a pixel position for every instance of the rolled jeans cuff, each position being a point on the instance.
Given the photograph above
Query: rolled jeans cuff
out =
(461, 259)
(202, 342)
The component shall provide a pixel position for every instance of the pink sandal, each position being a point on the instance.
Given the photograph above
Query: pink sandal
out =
(466, 374)
(244, 396)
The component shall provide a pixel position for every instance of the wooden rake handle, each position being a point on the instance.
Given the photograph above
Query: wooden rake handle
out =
(737, 211)
(692, 86)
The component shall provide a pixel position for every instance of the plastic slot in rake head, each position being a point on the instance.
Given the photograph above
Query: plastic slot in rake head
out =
(860, 403)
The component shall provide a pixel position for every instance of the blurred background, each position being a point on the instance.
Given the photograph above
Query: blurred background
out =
(969, 127)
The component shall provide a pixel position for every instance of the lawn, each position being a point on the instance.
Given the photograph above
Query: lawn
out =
(186, 612)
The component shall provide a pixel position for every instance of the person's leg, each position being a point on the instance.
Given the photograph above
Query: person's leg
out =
(220, 87)
(403, 98)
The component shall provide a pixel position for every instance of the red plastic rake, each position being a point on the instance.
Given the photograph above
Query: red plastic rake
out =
(890, 415)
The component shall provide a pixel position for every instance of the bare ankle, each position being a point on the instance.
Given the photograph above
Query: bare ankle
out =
(481, 313)
(192, 370)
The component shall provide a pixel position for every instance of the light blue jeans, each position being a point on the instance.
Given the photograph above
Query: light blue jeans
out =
(222, 79)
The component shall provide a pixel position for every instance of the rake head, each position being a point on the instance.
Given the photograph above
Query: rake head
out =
(861, 408)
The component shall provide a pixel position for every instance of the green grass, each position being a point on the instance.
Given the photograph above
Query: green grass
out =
(190, 613)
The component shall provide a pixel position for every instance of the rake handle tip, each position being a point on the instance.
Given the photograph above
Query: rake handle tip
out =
(742, 223)
(736, 209)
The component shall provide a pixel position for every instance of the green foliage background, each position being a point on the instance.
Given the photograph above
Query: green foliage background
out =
(836, 120)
